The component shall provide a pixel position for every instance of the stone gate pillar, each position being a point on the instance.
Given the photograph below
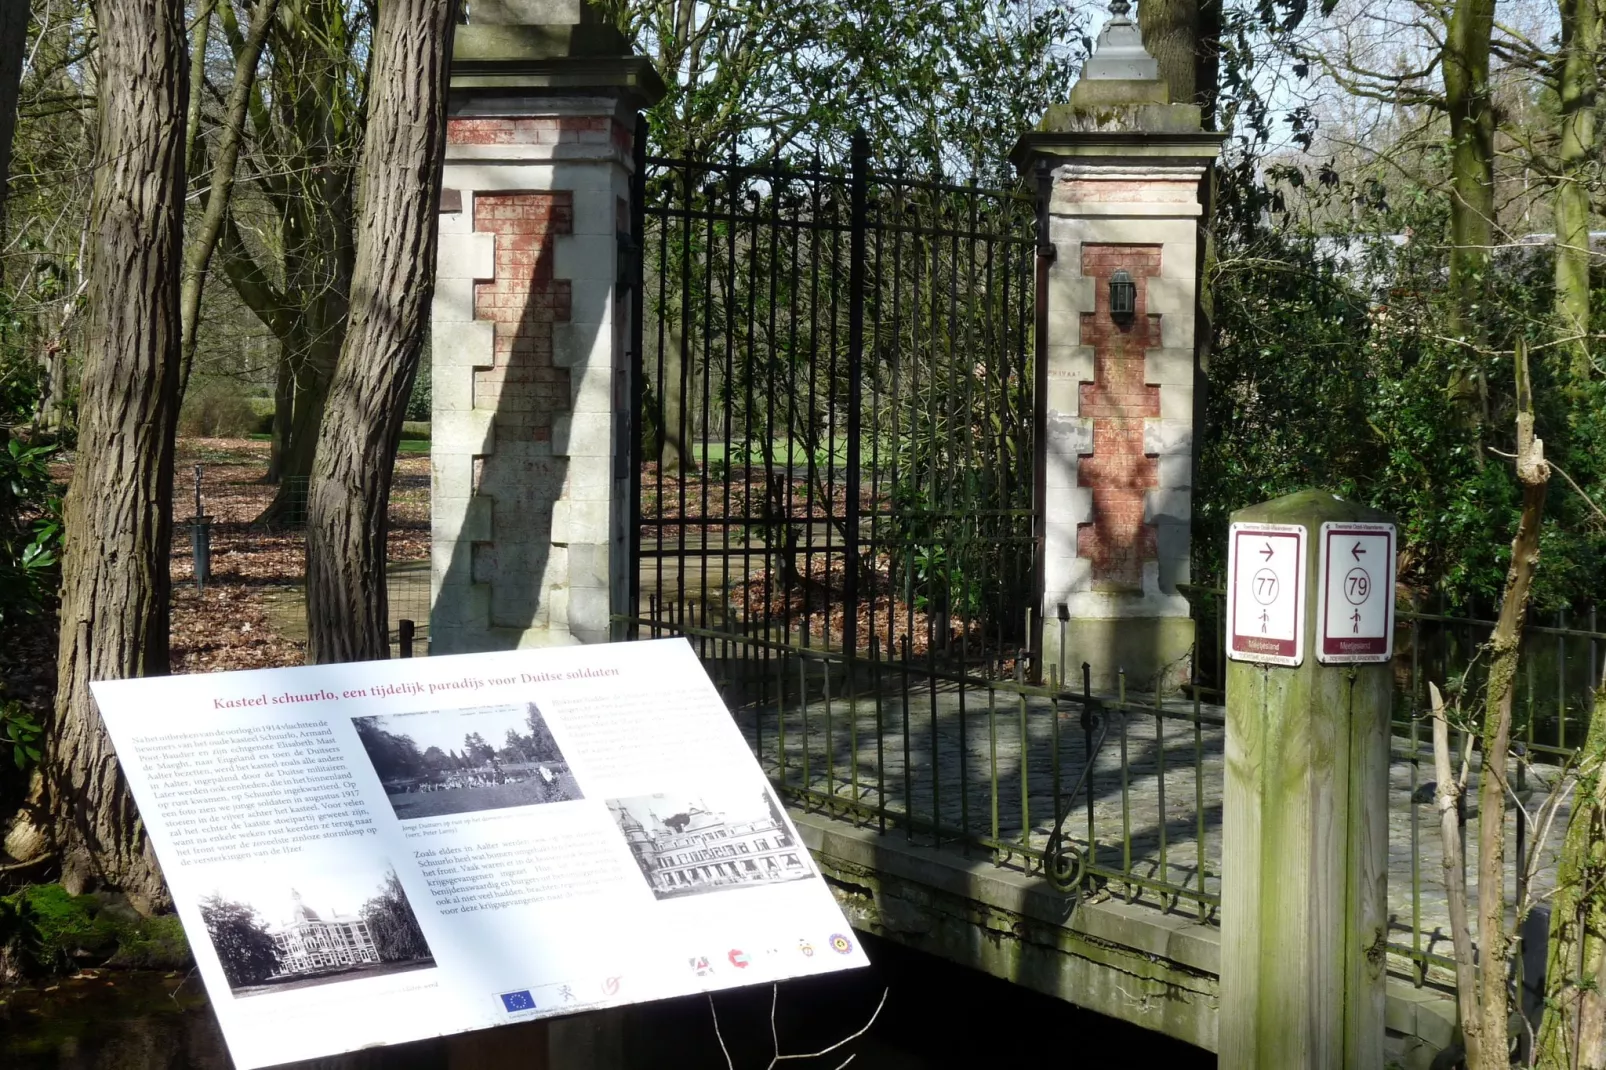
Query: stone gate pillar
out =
(531, 328)
(1123, 173)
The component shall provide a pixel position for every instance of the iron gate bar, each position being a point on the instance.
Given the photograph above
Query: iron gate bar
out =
(633, 420)
(930, 520)
(858, 166)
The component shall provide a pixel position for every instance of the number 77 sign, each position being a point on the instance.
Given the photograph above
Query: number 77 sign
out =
(1266, 593)
(1355, 606)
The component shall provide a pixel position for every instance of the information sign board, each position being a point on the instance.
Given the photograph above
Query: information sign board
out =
(1266, 593)
(1355, 608)
(373, 853)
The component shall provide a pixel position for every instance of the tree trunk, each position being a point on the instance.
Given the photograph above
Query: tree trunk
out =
(1505, 645)
(392, 286)
(1207, 61)
(1448, 799)
(1576, 87)
(315, 348)
(13, 40)
(283, 407)
(317, 222)
(115, 583)
(1467, 99)
(672, 452)
(1572, 1035)
(1170, 33)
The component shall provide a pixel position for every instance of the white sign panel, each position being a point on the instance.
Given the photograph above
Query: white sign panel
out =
(1356, 601)
(375, 853)
(1266, 593)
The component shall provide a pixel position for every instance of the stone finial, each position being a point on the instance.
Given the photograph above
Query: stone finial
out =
(1119, 55)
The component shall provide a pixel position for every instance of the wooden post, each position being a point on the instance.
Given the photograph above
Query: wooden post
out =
(1305, 828)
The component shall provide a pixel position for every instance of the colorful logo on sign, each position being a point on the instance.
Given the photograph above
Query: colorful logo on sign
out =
(700, 966)
(841, 944)
(807, 948)
(738, 958)
(518, 1001)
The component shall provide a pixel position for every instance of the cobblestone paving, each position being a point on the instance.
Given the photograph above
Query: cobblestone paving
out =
(1155, 788)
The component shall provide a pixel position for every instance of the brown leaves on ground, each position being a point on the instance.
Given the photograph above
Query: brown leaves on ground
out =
(813, 604)
(233, 623)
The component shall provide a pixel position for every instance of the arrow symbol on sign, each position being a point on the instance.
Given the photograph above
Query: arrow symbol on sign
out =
(1265, 554)
(1357, 551)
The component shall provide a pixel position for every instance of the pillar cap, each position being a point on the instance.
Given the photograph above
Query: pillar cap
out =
(1120, 110)
(548, 47)
(1117, 143)
(1119, 54)
(1312, 508)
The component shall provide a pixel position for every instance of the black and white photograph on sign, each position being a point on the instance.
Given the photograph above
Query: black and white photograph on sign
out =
(438, 762)
(686, 844)
(314, 928)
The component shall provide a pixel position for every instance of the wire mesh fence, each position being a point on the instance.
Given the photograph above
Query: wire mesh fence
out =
(247, 607)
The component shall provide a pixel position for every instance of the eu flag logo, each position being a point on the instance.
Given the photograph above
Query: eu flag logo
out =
(518, 1001)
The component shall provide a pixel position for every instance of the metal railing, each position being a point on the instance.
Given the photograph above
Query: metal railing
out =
(1086, 791)
(1119, 793)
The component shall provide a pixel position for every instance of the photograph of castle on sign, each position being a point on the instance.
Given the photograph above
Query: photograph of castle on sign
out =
(323, 929)
(686, 844)
(438, 762)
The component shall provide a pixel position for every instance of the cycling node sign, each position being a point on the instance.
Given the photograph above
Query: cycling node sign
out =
(1355, 606)
(1266, 593)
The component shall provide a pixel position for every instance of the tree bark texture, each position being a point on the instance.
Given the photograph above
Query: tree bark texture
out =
(1577, 83)
(1572, 1035)
(1170, 31)
(1471, 109)
(392, 285)
(115, 583)
(13, 42)
(1505, 645)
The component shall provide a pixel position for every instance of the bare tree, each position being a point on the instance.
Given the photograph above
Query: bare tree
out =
(220, 184)
(392, 285)
(115, 583)
(306, 122)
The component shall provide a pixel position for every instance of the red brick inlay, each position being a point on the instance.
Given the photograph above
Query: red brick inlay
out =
(549, 130)
(1118, 472)
(524, 387)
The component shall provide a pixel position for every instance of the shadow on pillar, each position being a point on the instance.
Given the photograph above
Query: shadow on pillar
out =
(507, 582)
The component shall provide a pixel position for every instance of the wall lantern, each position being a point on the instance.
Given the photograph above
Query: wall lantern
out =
(1123, 297)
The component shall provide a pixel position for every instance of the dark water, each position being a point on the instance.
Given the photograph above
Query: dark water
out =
(936, 1015)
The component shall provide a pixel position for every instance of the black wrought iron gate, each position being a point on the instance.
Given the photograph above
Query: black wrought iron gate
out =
(836, 434)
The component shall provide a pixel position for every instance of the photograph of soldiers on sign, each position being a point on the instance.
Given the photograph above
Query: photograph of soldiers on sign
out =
(439, 762)
(326, 927)
(686, 844)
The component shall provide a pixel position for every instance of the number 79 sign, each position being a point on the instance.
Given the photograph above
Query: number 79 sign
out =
(1266, 593)
(1355, 607)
